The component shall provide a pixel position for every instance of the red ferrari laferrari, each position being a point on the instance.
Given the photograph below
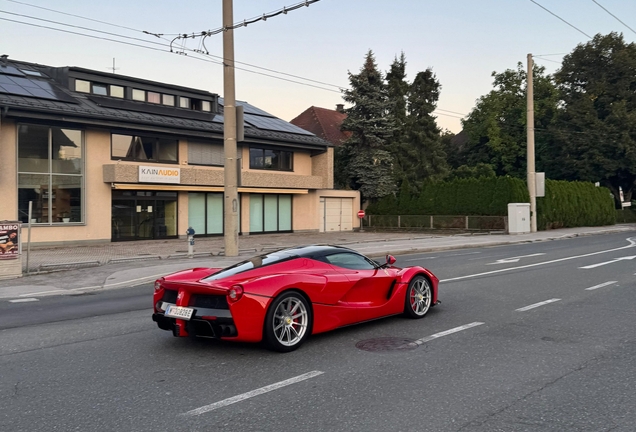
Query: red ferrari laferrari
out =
(284, 296)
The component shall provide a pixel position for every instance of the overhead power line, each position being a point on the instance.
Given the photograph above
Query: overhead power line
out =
(552, 13)
(206, 33)
(617, 19)
(195, 52)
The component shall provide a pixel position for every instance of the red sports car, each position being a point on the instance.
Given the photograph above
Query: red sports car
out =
(284, 296)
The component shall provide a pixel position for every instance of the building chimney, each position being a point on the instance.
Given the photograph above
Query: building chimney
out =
(340, 108)
(3, 58)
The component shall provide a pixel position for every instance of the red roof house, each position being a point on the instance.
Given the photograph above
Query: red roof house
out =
(324, 123)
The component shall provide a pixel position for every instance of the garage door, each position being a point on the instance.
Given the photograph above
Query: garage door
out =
(336, 214)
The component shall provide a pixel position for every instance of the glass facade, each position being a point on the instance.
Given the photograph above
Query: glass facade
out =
(270, 213)
(205, 213)
(50, 174)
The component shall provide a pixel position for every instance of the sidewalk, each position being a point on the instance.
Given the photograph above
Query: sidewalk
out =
(118, 265)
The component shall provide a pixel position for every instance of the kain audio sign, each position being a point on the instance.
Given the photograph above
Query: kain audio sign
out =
(148, 174)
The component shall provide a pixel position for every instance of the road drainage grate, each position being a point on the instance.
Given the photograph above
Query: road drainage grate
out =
(385, 344)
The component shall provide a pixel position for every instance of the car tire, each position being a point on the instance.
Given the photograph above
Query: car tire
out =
(288, 322)
(418, 298)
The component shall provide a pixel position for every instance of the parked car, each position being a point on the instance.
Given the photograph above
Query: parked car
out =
(282, 297)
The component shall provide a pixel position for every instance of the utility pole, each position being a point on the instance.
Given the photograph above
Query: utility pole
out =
(532, 187)
(229, 135)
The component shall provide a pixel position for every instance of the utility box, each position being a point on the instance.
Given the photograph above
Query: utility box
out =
(518, 218)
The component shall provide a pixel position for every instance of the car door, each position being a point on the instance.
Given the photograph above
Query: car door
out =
(370, 286)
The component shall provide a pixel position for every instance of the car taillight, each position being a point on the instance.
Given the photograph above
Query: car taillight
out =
(157, 284)
(234, 294)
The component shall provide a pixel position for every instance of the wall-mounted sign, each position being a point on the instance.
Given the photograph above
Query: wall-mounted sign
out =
(149, 174)
(9, 240)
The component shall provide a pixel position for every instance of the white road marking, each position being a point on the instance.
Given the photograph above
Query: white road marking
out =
(609, 262)
(513, 259)
(532, 306)
(450, 255)
(447, 332)
(23, 300)
(600, 285)
(41, 292)
(250, 394)
(630, 240)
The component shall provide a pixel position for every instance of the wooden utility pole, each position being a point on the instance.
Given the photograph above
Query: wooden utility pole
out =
(532, 188)
(229, 135)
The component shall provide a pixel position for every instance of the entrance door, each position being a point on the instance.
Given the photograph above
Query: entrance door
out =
(144, 216)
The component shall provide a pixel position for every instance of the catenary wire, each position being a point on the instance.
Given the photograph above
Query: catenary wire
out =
(438, 111)
(617, 19)
(552, 13)
(73, 15)
(340, 88)
(81, 28)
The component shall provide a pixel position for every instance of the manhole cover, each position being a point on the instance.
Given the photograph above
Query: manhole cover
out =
(385, 344)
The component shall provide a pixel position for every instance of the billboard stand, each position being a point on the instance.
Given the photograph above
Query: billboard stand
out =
(10, 250)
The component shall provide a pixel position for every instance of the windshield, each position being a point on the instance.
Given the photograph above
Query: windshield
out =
(256, 262)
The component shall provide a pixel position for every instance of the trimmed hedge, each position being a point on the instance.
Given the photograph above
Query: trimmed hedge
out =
(486, 196)
(566, 204)
(571, 204)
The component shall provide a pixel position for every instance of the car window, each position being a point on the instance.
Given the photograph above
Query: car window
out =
(256, 262)
(350, 261)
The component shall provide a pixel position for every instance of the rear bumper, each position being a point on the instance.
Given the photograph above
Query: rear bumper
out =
(218, 328)
(242, 322)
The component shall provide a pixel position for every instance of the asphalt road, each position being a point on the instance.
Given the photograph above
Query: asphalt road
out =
(530, 337)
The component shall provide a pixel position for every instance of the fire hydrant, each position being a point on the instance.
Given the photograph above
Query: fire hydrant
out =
(190, 234)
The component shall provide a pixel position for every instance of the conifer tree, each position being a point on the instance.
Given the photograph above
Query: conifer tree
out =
(367, 161)
(425, 157)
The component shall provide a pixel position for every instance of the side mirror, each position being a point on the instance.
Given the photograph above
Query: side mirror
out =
(390, 260)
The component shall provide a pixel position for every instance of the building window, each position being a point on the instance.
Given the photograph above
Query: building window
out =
(50, 174)
(206, 154)
(139, 95)
(277, 160)
(184, 102)
(117, 91)
(205, 213)
(100, 89)
(206, 106)
(168, 100)
(154, 97)
(144, 148)
(270, 213)
(82, 86)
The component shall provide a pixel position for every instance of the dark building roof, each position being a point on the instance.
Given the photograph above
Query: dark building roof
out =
(32, 91)
(324, 123)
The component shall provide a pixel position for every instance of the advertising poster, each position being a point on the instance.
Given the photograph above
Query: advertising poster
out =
(9, 240)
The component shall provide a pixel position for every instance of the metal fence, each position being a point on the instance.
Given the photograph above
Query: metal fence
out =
(464, 223)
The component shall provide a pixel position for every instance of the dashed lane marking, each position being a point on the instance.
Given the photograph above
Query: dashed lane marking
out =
(600, 285)
(42, 292)
(251, 394)
(23, 300)
(447, 332)
(532, 306)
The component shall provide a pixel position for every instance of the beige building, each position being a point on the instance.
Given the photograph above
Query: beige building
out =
(103, 157)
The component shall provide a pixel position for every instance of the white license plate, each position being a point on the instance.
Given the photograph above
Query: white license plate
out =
(179, 312)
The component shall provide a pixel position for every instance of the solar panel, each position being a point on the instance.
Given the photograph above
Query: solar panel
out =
(10, 70)
(247, 108)
(274, 124)
(23, 86)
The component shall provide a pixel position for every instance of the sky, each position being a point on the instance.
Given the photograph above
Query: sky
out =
(463, 41)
